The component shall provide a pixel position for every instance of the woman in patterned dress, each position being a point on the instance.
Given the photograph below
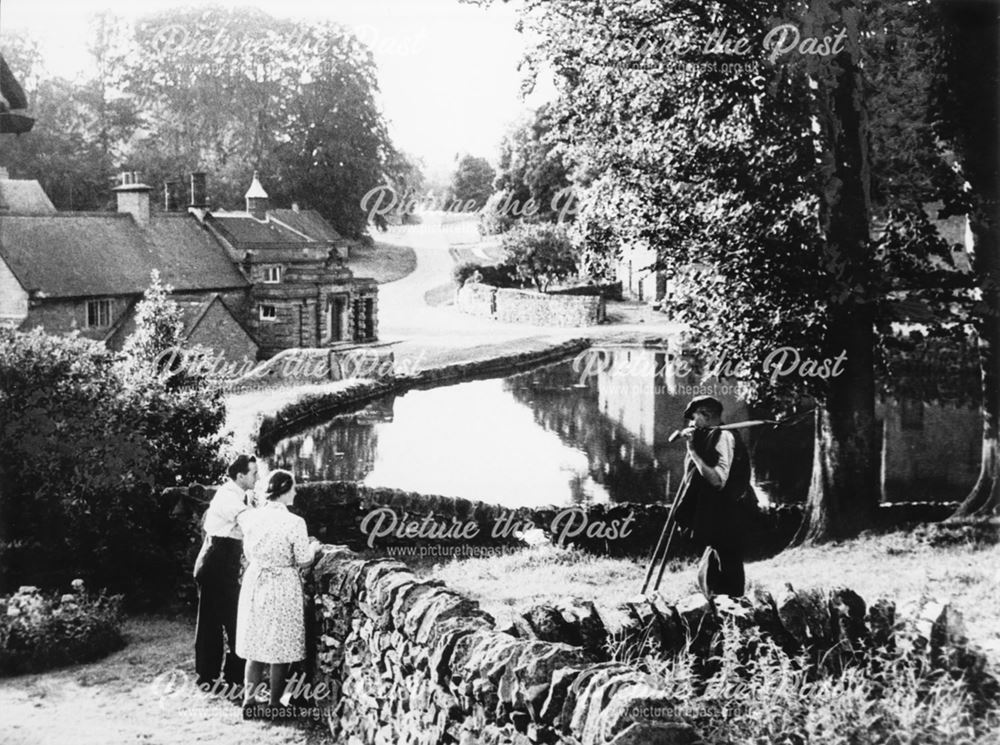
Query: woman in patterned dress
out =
(270, 627)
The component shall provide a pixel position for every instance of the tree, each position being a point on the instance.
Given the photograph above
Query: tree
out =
(532, 178)
(751, 176)
(159, 326)
(73, 147)
(300, 106)
(471, 184)
(540, 253)
(87, 441)
(969, 121)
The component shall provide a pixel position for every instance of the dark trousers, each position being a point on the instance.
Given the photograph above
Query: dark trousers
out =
(720, 572)
(218, 597)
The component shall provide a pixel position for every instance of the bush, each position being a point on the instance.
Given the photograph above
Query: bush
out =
(499, 275)
(540, 253)
(463, 271)
(38, 632)
(87, 441)
(495, 218)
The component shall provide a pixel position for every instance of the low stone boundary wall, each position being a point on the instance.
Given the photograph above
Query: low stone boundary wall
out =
(318, 364)
(540, 309)
(766, 532)
(410, 661)
(534, 308)
(476, 299)
(507, 364)
(314, 408)
(346, 513)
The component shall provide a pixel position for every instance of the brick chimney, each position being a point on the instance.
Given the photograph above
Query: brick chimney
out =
(199, 194)
(257, 200)
(133, 196)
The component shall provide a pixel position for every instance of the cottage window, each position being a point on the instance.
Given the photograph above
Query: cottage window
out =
(98, 313)
(268, 313)
(272, 275)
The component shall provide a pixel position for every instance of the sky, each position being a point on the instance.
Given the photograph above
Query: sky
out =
(448, 71)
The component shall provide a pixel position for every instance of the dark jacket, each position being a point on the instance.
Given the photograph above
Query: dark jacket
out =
(715, 515)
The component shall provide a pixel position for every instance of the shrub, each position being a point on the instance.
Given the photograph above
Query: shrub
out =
(38, 631)
(495, 217)
(87, 441)
(461, 272)
(540, 253)
(500, 275)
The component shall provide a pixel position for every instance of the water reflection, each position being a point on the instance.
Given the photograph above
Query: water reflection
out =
(557, 436)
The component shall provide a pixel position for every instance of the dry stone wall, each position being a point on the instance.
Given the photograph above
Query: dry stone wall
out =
(410, 661)
(533, 308)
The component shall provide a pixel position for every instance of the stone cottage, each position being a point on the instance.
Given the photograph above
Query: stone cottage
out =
(302, 292)
(249, 283)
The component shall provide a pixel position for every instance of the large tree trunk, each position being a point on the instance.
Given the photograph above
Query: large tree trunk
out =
(971, 28)
(984, 499)
(843, 493)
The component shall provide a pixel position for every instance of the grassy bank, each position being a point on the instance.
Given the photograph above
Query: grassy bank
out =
(899, 566)
(384, 262)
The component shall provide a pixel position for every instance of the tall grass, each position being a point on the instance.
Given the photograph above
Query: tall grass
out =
(751, 692)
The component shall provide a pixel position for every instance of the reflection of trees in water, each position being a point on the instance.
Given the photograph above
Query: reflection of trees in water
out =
(342, 449)
(622, 463)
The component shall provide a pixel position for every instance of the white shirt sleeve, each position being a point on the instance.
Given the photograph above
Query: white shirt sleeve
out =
(725, 448)
(225, 507)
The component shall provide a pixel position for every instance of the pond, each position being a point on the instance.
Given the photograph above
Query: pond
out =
(596, 429)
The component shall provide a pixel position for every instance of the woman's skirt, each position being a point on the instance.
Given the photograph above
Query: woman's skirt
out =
(270, 625)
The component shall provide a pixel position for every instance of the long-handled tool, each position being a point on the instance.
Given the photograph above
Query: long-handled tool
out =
(658, 561)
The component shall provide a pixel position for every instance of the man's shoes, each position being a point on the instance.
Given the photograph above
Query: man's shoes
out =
(234, 691)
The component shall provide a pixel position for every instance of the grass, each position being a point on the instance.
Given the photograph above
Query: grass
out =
(383, 263)
(441, 295)
(766, 696)
(898, 566)
(752, 692)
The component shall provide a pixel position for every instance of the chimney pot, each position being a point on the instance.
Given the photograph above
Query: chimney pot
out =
(199, 198)
(133, 197)
(171, 195)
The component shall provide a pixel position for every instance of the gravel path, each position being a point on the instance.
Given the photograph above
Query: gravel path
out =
(121, 699)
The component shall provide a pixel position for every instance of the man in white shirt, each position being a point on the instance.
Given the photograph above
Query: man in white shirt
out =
(720, 478)
(217, 572)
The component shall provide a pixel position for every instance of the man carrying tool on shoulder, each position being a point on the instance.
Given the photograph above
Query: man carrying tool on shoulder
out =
(717, 478)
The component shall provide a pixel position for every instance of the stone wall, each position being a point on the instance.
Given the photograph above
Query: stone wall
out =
(476, 299)
(410, 661)
(314, 408)
(62, 315)
(534, 308)
(539, 309)
(766, 531)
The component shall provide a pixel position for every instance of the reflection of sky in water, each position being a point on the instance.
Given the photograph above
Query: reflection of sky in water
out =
(472, 440)
(542, 437)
